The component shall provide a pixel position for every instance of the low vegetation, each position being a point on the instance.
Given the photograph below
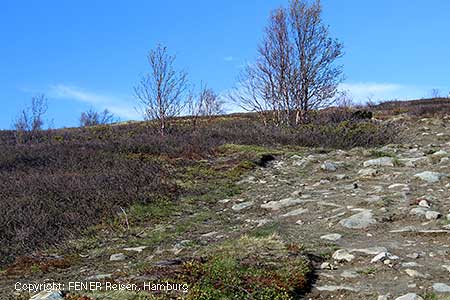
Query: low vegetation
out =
(66, 180)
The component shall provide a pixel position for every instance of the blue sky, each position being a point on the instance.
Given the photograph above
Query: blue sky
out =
(84, 54)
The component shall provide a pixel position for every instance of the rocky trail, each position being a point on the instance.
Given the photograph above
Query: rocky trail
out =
(374, 222)
(378, 218)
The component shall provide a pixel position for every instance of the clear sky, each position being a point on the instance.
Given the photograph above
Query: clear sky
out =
(84, 54)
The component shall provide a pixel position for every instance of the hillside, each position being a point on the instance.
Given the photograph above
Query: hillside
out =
(234, 210)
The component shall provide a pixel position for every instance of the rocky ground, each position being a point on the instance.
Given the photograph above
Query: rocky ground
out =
(373, 222)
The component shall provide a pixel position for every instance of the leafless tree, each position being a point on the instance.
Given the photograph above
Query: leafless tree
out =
(31, 119)
(92, 118)
(162, 92)
(435, 93)
(204, 104)
(295, 71)
(210, 103)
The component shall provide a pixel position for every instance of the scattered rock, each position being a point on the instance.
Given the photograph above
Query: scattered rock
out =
(397, 185)
(296, 212)
(414, 273)
(409, 296)
(117, 257)
(99, 277)
(331, 237)
(418, 211)
(48, 295)
(440, 153)
(349, 274)
(241, 206)
(370, 250)
(414, 162)
(380, 162)
(441, 288)
(343, 255)
(424, 203)
(359, 221)
(384, 256)
(368, 172)
(383, 297)
(432, 215)
(447, 267)
(329, 166)
(430, 177)
(276, 205)
(326, 266)
(334, 288)
(136, 249)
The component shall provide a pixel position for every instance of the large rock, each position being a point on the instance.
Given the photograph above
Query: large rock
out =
(430, 177)
(380, 162)
(48, 295)
(359, 221)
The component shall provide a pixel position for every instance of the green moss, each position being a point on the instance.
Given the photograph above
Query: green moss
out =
(248, 268)
(266, 230)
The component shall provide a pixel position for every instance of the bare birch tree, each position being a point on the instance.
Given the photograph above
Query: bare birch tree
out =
(295, 69)
(162, 92)
(31, 119)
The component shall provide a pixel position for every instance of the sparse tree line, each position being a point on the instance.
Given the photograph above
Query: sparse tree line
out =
(295, 72)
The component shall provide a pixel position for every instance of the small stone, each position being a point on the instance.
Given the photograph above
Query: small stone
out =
(409, 296)
(329, 166)
(370, 250)
(414, 273)
(440, 153)
(441, 287)
(296, 212)
(397, 185)
(349, 274)
(334, 288)
(48, 295)
(447, 267)
(326, 266)
(341, 176)
(368, 172)
(276, 205)
(99, 277)
(117, 257)
(331, 237)
(430, 177)
(424, 203)
(380, 162)
(359, 221)
(384, 256)
(136, 249)
(241, 206)
(418, 211)
(432, 215)
(411, 264)
(343, 255)
(383, 297)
